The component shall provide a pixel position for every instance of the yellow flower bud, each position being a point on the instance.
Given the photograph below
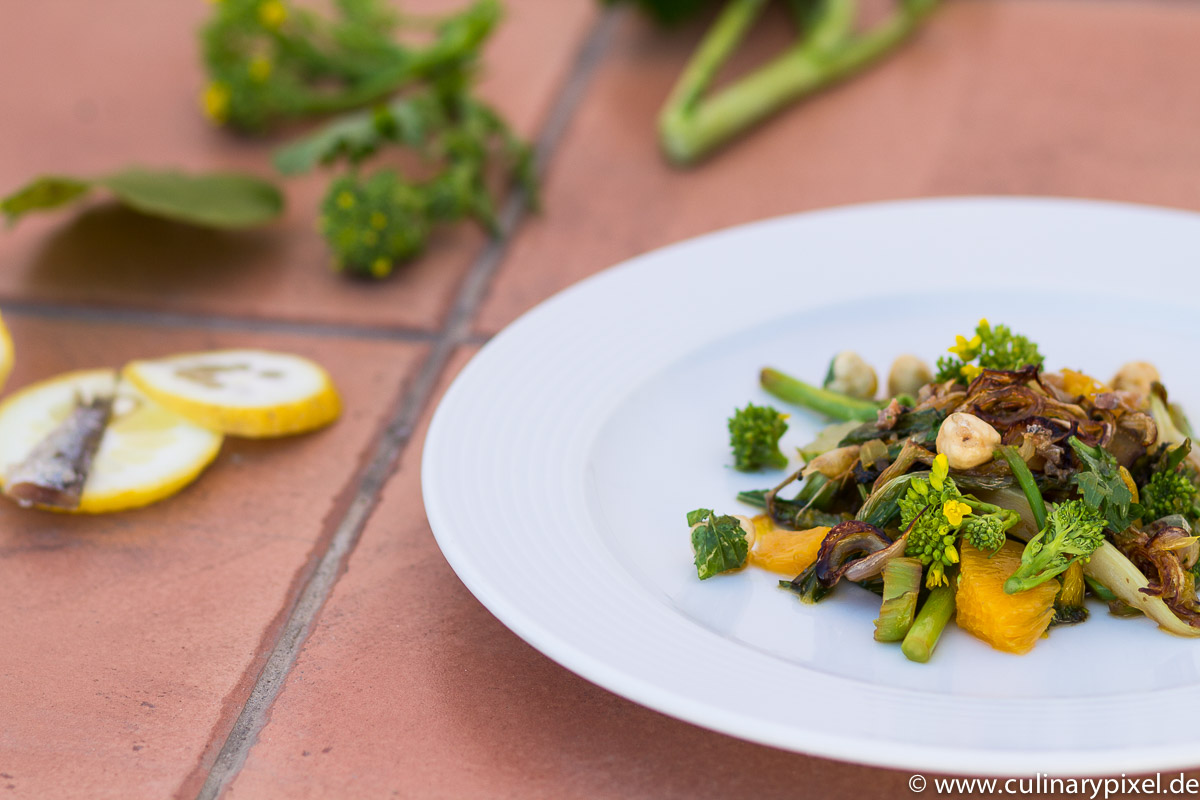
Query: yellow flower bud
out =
(215, 101)
(260, 68)
(381, 267)
(272, 14)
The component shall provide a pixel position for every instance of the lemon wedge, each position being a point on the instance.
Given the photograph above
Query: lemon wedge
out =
(251, 393)
(6, 353)
(147, 452)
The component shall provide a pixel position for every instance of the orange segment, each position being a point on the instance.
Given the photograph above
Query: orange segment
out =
(1009, 622)
(786, 552)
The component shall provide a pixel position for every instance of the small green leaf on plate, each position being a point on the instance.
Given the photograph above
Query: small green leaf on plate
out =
(49, 191)
(215, 199)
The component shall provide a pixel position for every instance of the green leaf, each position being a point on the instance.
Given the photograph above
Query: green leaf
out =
(719, 543)
(1102, 486)
(215, 199)
(356, 137)
(48, 192)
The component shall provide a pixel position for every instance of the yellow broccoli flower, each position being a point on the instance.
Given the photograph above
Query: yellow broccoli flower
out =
(216, 101)
(345, 200)
(965, 348)
(955, 510)
(941, 469)
(971, 371)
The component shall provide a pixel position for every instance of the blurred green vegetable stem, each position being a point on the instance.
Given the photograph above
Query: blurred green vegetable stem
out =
(270, 60)
(828, 50)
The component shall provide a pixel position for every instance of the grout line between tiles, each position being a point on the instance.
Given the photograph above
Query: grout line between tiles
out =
(175, 319)
(455, 332)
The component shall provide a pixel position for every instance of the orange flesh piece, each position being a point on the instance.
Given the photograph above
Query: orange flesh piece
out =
(786, 552)
(1009, 622)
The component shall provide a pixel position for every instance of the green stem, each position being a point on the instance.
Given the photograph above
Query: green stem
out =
(923, 636)
(690, 130)
(1101, 591)
(1020, 471)
(714, 50)
(901, 587)
(832, 404)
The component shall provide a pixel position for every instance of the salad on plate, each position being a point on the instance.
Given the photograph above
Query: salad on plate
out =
(986, 490)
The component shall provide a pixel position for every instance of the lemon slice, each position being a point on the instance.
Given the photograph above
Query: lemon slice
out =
(6, 353)
(148, 452)
(252, 393)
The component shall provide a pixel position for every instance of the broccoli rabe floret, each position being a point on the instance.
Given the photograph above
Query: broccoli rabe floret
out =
(1169, 493)
(374, 223)
(990, 348)
(932, 511)
(986, 533)
(1172, 487)
(754, 433)
(1073, 531)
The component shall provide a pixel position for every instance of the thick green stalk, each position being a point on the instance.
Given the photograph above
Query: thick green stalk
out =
(714, 50)
(1020, 471)
(832, 404)
(827, 55)
(931, 621)
(901, 587)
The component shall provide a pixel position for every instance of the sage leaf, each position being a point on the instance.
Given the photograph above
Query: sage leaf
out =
(213, 200)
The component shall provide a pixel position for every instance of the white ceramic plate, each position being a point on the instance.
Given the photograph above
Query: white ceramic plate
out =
(560, 466)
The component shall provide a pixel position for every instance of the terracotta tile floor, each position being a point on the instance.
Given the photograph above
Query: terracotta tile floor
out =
(287, 627)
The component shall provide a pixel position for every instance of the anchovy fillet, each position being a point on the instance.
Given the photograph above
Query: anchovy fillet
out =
(55, 471)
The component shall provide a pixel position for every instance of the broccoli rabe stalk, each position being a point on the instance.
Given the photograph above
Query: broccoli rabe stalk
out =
(754, 433)
(932, 619)
(1024, 477)
(828, 50)
(270, 60)
(901, 588)
(832, 404)
(375, 222)
(992, 347)
(1074, 531)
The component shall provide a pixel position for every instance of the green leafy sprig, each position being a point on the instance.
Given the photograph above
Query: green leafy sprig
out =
(992, 347)
(1103, 486)
(270, 60)
(375, 221)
